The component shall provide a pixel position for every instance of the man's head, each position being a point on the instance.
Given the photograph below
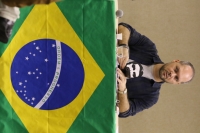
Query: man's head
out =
(177, 72)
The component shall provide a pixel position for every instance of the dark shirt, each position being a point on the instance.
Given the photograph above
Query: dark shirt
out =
(142, 92)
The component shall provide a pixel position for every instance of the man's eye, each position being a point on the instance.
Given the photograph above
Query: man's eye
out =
(176, 69)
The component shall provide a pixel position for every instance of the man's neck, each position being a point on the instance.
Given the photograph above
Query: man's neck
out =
(156, 70)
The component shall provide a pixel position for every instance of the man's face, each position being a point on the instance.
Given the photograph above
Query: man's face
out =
(175, 73)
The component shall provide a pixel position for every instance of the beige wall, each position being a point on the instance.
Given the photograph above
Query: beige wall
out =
(174, 26)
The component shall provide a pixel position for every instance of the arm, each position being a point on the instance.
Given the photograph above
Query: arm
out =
(123, 98)
(141, 48)
(125, 34)
(125, 38)
(138, 105)
(138, 100)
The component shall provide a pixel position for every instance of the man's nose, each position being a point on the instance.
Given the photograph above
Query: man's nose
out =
(172, 74)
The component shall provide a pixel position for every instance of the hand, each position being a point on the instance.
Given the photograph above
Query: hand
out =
(123, 60)
(121, 80)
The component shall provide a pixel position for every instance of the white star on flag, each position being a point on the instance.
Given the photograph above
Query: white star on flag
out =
(37, 48)
(46, 60)
(26, 58)
(20, 83)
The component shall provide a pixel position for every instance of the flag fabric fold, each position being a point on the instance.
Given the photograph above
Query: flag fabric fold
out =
(58, 69)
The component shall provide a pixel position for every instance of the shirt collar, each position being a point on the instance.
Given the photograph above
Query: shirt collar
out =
(157, 84)
(157, 60)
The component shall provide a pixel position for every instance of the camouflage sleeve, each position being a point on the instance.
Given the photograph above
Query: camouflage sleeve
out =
(22, 3)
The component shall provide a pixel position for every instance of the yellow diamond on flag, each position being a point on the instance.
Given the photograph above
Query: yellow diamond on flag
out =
(48, 22)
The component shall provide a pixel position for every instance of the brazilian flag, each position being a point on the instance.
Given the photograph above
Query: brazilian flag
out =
(57, 70)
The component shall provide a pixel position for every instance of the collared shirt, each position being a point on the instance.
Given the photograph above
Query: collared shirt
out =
(143, 93)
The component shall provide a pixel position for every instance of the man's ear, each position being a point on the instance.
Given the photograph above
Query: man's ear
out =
(177, 60)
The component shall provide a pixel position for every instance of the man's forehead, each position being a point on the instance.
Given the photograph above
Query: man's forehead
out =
(186, 73)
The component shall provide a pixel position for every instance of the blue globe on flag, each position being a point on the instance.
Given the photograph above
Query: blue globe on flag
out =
(47, 74)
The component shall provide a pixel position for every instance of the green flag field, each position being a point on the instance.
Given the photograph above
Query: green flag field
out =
(58, 69)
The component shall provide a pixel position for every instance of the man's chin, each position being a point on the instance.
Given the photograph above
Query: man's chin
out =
(163, 79)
